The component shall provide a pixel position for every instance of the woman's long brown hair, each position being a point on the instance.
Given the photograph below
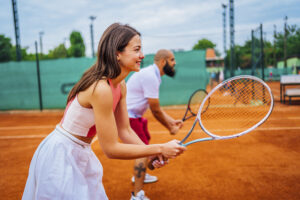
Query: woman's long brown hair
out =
(114, 39)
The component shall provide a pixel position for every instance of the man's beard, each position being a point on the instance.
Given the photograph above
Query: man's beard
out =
(168, 70)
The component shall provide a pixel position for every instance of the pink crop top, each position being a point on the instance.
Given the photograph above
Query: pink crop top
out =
(79, 120)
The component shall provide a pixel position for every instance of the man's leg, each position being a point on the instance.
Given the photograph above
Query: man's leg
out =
(139, 174)
(138, 125)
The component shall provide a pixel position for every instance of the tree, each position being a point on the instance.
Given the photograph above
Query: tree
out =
(5, 49)
(204, 44)
(77, 48)
(58, 52)
(293, 42)
(25, 55)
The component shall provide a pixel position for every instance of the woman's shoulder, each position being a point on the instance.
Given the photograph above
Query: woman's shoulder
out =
(100, 90)
(101, 87)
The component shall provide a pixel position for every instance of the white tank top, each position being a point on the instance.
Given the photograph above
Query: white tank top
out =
(79, 120)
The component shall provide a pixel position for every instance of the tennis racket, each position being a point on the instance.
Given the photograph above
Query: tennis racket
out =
(232, 109)
(194, 103)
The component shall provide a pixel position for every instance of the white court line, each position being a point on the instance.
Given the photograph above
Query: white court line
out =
(26, 127)
(7, 128)
(21, 136)
(152, 132)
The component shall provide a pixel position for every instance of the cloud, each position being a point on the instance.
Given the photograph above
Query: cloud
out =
(163, 23)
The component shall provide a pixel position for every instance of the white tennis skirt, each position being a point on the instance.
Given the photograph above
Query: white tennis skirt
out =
(64, 167)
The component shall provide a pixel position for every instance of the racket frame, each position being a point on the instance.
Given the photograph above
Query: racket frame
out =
(217, 137)
(189, 103)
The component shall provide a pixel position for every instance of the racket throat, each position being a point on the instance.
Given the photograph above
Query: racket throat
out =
(189, 133)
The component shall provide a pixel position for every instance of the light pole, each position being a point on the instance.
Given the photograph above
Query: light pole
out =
(41, 33)
(17, 30)
(231, 21)
(274, 46)
(284, 42)
(65, 39)
(224, 27)
(92, 18)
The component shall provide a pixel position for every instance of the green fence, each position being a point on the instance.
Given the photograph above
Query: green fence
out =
(268, 76)
(19, 85)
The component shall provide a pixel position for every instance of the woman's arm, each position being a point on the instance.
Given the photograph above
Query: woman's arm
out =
(102, 102)
(126, 134)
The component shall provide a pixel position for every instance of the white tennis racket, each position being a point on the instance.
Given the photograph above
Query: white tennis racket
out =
(233, 108)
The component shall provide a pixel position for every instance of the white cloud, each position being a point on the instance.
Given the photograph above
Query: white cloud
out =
(163, 23)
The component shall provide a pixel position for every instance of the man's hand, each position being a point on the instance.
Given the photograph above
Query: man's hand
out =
(175, 126)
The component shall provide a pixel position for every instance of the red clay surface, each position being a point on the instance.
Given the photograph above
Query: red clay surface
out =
(263, 164)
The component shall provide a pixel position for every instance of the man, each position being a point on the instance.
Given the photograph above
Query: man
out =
(143, 92)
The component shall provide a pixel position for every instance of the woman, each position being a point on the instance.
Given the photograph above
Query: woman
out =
(64, 166)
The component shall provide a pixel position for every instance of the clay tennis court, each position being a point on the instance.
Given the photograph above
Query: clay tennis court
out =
(264, 164)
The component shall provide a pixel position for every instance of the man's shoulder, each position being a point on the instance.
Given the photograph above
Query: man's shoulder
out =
(145, 75)
(149, 70)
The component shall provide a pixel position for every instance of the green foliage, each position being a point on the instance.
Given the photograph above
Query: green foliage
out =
(5, 49)
(204, 44)
(24, 54)
(292, 42)
(58, 52)
(243, 54)
(77, 48)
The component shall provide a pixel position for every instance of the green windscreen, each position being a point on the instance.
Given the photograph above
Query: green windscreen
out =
(19, 83)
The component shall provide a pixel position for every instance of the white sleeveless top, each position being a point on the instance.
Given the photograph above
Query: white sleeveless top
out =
(79, 120)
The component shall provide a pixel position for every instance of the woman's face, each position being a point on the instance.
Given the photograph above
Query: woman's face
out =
(132, 55)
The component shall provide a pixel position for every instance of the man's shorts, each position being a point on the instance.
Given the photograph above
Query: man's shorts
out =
(140, 126)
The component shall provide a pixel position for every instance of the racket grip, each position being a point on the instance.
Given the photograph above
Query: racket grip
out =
(150, 166)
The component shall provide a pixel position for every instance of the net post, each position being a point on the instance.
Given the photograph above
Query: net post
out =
(252, 53)
(38, 76)
(262, 53)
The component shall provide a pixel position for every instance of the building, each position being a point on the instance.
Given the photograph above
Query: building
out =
(292, 62)
(213, 62)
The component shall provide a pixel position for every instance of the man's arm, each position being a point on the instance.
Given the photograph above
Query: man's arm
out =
(172, 125)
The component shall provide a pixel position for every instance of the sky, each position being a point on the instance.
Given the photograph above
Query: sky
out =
(169, 24)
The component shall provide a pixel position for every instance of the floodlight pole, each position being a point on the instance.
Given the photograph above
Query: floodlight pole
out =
(65, 39)
(262, 60)
(17, 30)
(92, 18)
(252, 53)
(284, 43)
(224, 35)
(41, 33)
(224, 27)
(274, 46)
(232, 54)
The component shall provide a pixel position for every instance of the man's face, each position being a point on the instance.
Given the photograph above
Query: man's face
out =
(169, 67)
(171, 60)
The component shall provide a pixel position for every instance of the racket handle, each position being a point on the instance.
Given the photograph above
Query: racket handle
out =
(150, 166)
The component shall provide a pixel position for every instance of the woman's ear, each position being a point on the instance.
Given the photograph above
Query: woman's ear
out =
(118, 56)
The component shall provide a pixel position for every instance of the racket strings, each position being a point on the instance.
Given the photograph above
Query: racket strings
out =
(236, 107)
(196, 101)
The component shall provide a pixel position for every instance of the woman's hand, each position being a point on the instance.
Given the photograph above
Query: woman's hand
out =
(169, 150)
(172, 149)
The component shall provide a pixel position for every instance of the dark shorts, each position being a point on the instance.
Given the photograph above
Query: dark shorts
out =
(140, 126)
